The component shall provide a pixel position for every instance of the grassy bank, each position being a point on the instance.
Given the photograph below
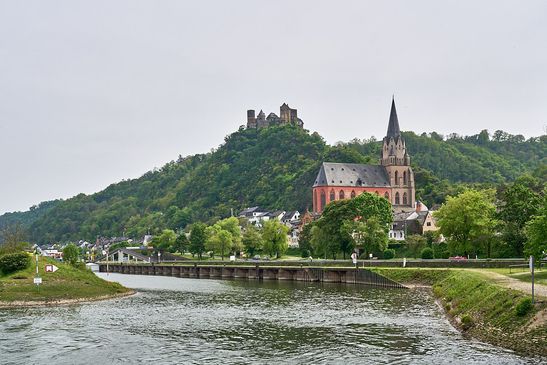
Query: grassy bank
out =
(66, 284)
(481, 308)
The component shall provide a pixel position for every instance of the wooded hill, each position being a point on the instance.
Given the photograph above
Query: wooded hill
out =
(274, 168)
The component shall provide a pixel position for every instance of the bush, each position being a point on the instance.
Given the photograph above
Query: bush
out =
(389, 254)
(524, 306)
(71, 254)
(427, 253)
(14, 262)
(467, 322)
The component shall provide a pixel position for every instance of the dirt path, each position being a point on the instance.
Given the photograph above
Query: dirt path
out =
(509, 282)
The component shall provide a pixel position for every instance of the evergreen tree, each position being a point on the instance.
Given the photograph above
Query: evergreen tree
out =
(198, 237)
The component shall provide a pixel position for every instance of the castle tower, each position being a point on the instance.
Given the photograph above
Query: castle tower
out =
(396, 161)
(285, 113)
(251, 120)
(261, 121)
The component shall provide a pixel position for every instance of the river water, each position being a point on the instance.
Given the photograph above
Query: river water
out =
(199, 321)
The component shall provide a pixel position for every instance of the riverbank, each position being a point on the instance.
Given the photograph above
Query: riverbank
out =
(482, 308)
(68, 285)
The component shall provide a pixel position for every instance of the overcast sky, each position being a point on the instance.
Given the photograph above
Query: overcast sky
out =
(92, 92)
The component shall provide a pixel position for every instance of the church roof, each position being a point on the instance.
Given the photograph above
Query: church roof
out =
(393, 130)
(351, 174)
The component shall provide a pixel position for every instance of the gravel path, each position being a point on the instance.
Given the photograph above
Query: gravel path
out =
(509, 282)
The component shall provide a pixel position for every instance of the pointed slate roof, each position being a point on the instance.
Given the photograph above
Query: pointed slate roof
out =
(351, 174)
(393, 130)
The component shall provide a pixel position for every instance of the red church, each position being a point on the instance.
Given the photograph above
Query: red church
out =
(392, 178)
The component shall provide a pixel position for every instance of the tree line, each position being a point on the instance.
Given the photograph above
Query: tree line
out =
(275, 168)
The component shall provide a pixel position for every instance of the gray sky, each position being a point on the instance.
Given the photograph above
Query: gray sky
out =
(92, 92)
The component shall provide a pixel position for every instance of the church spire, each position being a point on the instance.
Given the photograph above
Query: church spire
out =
(393, 130)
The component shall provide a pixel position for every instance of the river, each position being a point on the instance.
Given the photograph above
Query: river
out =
(197, 321)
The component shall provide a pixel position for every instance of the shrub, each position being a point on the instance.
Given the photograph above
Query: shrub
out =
(14, 262)
(71, 254)
(427, 253)
(389, 254)
(524, 306)
(467, 321)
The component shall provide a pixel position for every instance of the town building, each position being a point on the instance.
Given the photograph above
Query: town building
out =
(287, 115)
(418, 221)
(392, 178)
(257, 216)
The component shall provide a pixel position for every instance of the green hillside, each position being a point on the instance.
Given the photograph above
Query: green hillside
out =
(273, 168)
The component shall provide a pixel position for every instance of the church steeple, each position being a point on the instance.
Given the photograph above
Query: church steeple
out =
(393, 130)
(394, 148)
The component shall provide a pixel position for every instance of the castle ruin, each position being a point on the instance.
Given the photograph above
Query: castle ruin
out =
(287, 115)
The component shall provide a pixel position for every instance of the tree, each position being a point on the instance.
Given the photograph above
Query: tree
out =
(274, 236)
(467, 220)
(71, 254)
(198, 238)
(218, 239)
(252, 240)
(181, 243)
(304, 240)
(536, 234)
(368, 235)
(334, 227)
(321, 243)
(231, 225)
(12, 239)
(415, 244)
(165, 241)
(519, 203)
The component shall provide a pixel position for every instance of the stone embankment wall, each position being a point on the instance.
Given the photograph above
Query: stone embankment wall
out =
(257, 272)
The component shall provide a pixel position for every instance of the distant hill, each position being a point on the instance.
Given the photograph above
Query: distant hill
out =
(275, 168)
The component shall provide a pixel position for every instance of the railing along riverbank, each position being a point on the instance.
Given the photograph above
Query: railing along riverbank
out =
(256, 272)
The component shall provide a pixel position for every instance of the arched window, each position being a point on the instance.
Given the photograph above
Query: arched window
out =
(323, 200)
(352, 195)
(386, 195)
(396, 177)
(405, 199)
(341, 194)
(404, 177)
(397, 199)
(377, 193)
(332, 197)
(315, 200)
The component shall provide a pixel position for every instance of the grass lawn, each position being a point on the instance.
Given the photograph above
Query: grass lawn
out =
(66, 283)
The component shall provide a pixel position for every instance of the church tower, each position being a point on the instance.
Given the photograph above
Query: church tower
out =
(396, 161)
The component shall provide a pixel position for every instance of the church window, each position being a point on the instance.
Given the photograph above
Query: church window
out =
(352, 194)
(396, 177)
(341, 194)
(315, 199)
(323, 200)
(332, 197)
(386, 195)
(397, 199)
(404, 177)
(377, 193)
(405, 199)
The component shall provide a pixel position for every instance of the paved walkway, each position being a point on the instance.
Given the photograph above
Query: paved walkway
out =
(509, 282)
